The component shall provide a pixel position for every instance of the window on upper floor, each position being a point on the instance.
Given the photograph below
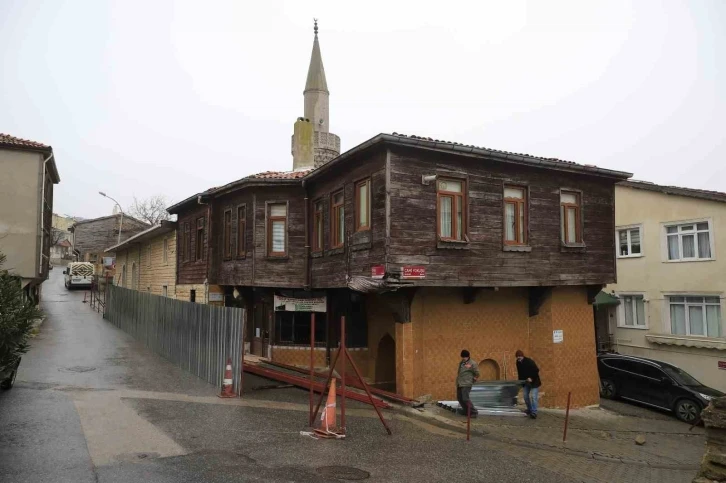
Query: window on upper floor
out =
(515, 215)
(570, 217)
(688, 241)
(199, 248)
(451, 207)
(695, 315)
(631, 312)
(165, 251)
(363, 205)
(277, 229)
(187, 248)
(337, 220)
(148, 256)
(227, 234)
(318, 227)
(629, 241)
(241, 231)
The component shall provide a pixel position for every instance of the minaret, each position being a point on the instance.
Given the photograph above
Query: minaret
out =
(312, 144)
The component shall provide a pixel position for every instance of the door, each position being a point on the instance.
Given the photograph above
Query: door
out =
(650, 388)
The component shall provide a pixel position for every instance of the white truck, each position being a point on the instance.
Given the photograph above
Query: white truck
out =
(78, 274)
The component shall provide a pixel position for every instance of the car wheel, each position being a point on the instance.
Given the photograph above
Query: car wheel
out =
(687, 410)
(607, 389)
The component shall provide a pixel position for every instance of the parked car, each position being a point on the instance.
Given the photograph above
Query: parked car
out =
(653, 383)
(7, 377)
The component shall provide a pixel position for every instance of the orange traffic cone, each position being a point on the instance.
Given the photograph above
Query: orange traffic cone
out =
(328, 422)
(227, 390)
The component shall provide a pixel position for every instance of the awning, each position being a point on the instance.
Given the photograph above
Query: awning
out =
(604, 298)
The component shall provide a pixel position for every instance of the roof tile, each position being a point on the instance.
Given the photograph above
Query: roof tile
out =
(8, 140)
(281, 174)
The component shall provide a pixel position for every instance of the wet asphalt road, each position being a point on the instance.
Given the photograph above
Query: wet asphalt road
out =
(92, 405)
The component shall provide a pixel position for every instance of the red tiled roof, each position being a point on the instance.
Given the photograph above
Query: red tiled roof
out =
(8, 140)
(281, 174)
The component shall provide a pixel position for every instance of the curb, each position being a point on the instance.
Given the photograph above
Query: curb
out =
(595, 455)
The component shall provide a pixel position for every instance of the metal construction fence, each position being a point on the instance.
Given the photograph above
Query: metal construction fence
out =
(198, 338)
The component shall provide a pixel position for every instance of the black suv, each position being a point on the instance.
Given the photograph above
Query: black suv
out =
(653, 383)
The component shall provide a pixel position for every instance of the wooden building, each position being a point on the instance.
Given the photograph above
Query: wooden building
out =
(147, 261)
(426, 247)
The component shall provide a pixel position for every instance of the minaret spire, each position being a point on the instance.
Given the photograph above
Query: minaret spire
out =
(324, 145)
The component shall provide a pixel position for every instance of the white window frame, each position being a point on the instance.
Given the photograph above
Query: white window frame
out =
(618, 229)
(165, 291)
(621, 311)
(165, 251)
(664, 240)
(667, 326)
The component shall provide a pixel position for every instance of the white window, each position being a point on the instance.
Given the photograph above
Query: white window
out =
(695, 315)
(689, 241)
(165, 253)
(164, 290)
(277, 230)
(629, 241)
(632, 311)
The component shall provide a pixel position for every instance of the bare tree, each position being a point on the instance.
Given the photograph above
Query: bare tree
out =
(152, 210)
(57, 236)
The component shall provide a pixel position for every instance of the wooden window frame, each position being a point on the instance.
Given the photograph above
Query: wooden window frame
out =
(270, 220)
(199, 240)
(578, 217)
(334, 228)
(318, 229)
(456, 197)
(227, 234)
(519, 203)
(187, 242)
(241, 247)
(358, 226)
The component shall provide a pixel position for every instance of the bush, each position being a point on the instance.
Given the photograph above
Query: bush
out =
(17, 313)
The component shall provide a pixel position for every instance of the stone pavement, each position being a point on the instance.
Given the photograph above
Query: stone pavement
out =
(600, 443)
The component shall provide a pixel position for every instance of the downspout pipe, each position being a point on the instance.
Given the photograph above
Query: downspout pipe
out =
(308, 265)
(42, 214)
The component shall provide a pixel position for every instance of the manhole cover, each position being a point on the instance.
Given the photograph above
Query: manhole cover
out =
(79, 369)
(343, 473)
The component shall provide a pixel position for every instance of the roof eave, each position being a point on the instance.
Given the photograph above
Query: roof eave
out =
(156, 230)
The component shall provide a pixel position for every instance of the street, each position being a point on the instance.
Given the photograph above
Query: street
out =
(92, 405)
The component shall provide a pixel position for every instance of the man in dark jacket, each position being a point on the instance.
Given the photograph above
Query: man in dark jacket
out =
(465, 378)
(528, 372)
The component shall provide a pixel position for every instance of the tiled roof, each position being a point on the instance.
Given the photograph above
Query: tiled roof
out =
(675, 190)
(492, 150)
(281, 174)
(8, 140)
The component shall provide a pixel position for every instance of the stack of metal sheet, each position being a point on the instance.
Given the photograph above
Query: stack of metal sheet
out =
(491, 397)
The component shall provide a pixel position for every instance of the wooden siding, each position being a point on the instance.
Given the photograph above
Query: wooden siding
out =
(483, 261)
(95, 236)
(365, 248)
(257, 268)
(192, 271)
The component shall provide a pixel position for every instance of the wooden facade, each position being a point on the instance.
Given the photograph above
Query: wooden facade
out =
(192, 265)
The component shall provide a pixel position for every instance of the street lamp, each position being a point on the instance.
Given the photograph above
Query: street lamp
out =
(121, 222)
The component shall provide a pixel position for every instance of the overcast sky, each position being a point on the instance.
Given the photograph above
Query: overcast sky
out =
(173, 97)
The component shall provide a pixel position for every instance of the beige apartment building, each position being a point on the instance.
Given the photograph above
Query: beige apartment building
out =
(147, 261)
(671, 266)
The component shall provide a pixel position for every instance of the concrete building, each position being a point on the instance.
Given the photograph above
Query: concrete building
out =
(26, 206)
(147, 261)
(61, 248)
(671, 278)
(91, 238)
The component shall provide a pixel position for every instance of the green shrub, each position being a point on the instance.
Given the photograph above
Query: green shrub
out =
(17, 313)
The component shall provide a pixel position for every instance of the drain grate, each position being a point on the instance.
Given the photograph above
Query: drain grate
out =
(79, 369)
(343, 473)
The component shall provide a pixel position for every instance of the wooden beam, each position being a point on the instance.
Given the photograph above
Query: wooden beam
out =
(469, 294)
(399, 302)
(537, 296)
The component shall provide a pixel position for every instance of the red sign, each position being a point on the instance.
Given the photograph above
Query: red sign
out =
(413, 272)
(722, 365)
(378, 271)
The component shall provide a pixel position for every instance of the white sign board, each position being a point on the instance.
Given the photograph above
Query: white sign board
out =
(292, 304)
(558, 336)
(216, 297)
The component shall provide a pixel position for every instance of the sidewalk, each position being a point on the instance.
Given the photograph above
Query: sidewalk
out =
(600, 443)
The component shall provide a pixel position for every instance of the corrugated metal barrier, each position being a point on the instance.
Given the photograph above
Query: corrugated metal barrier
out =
(198, 338)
